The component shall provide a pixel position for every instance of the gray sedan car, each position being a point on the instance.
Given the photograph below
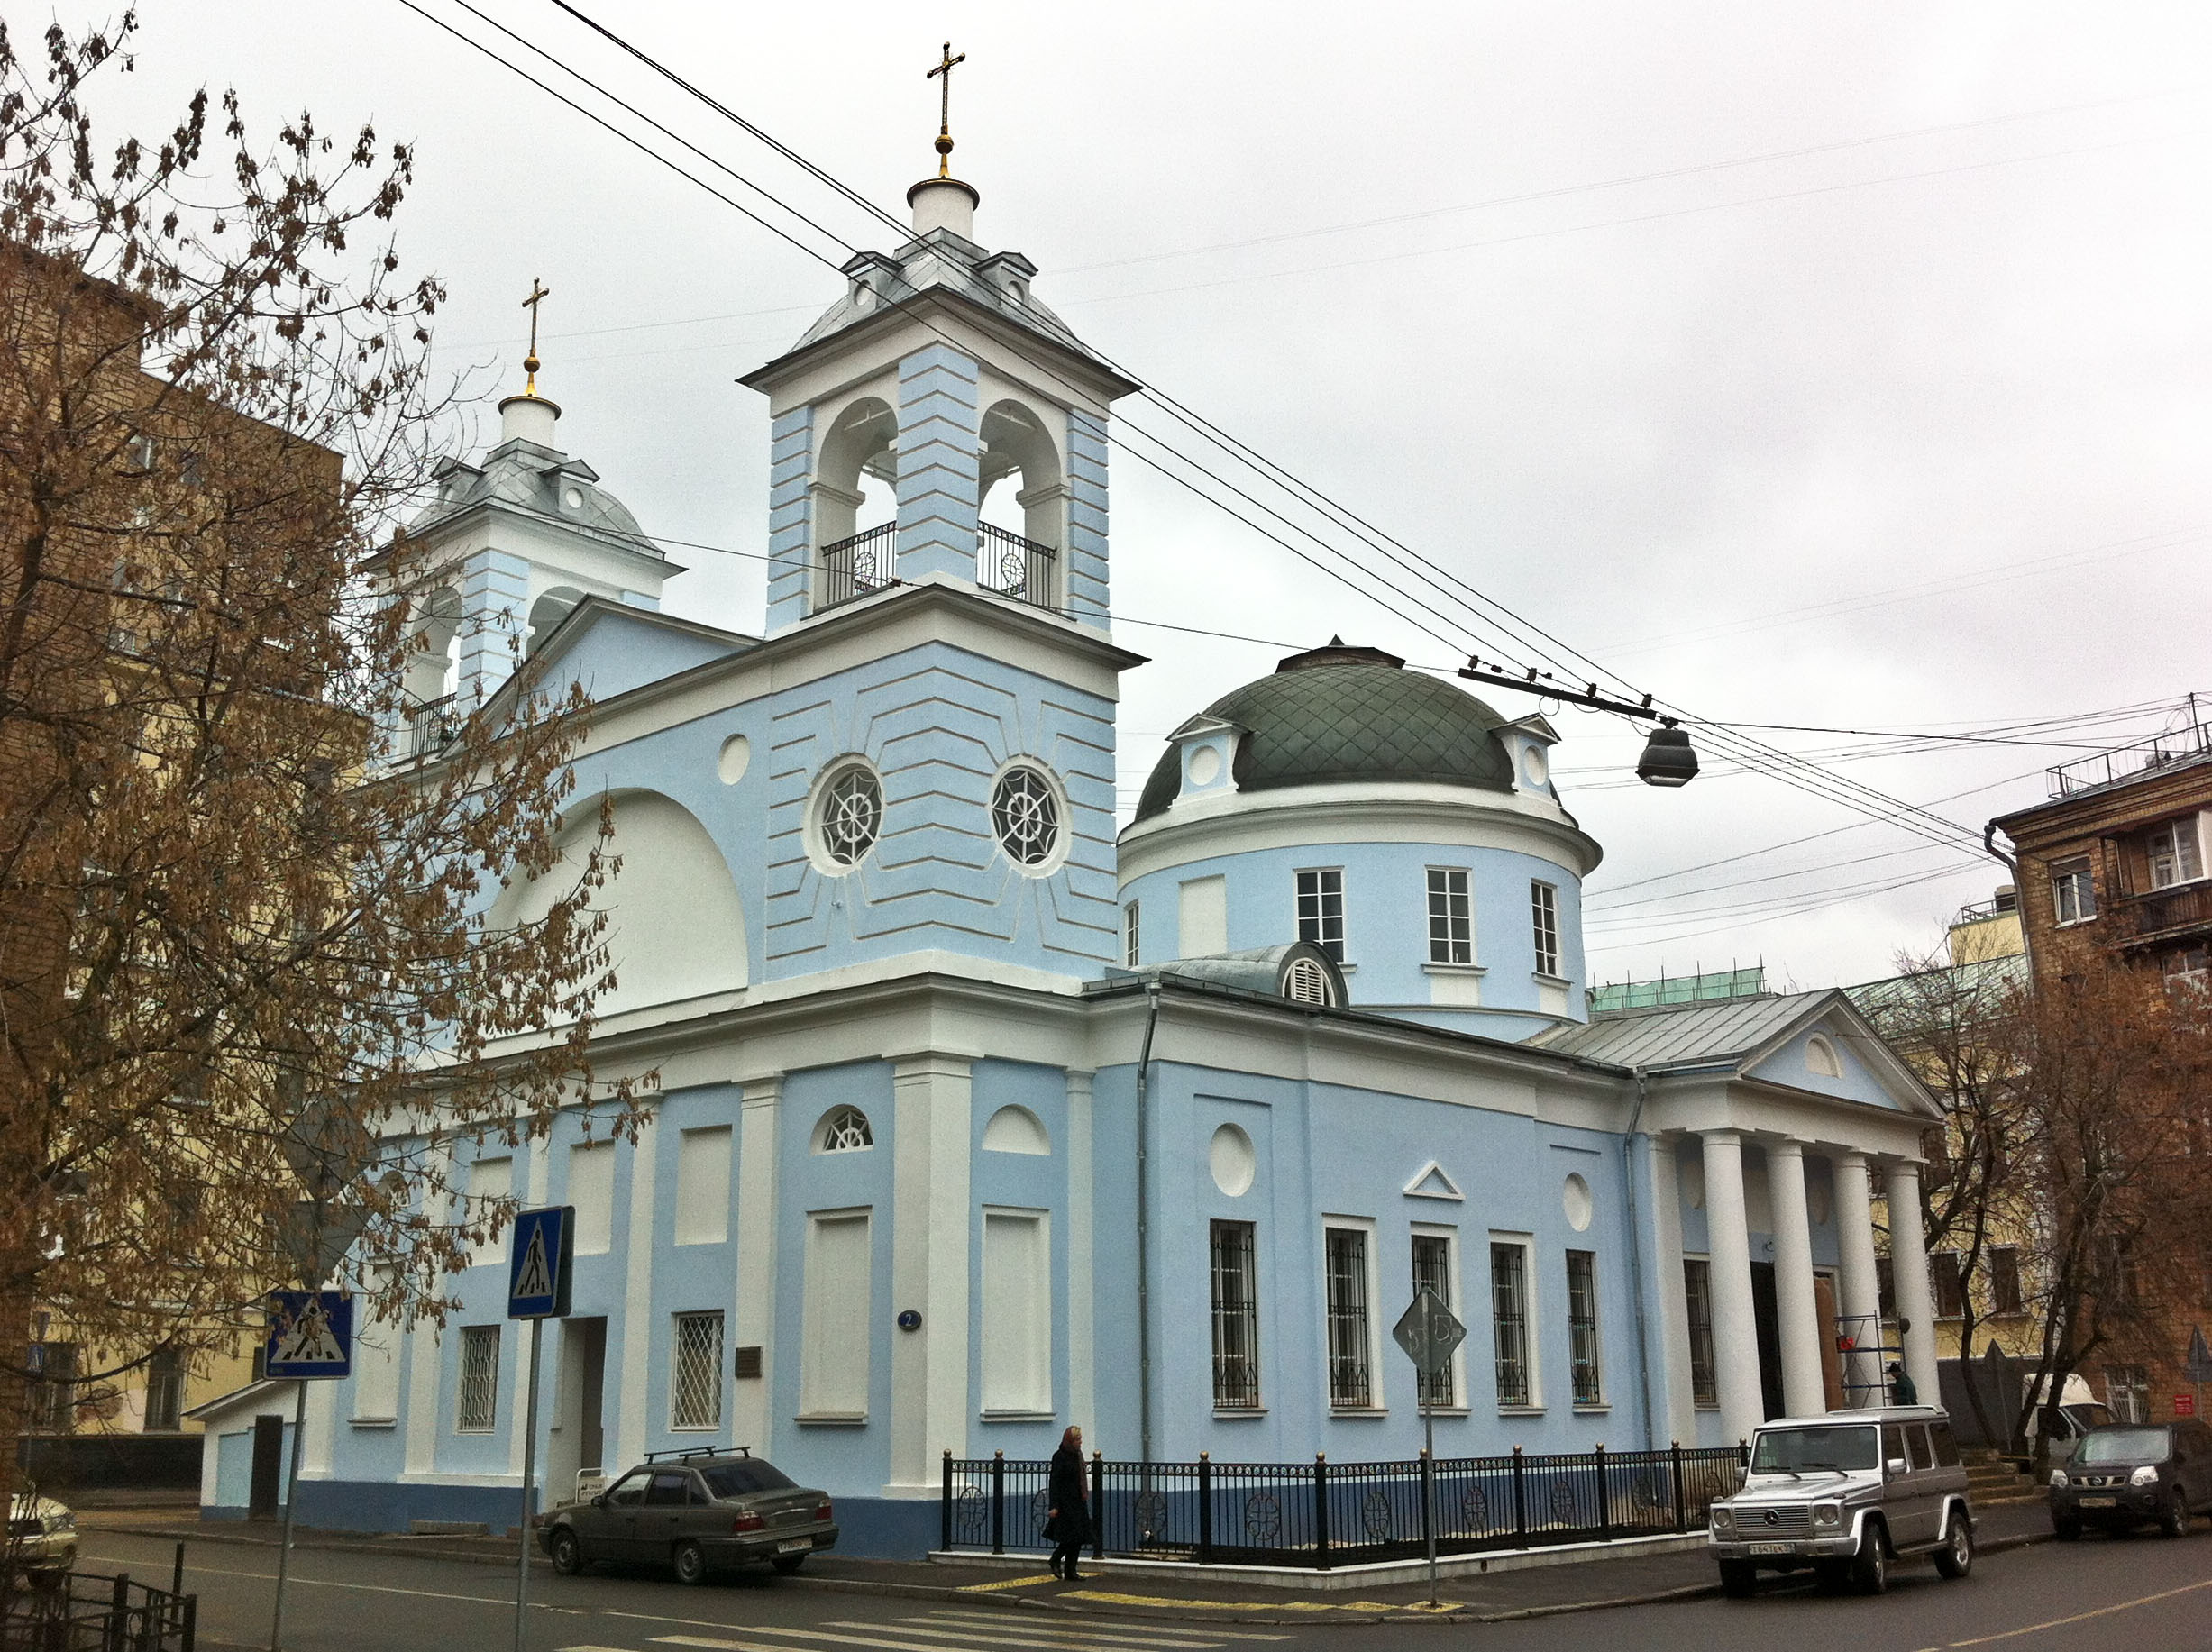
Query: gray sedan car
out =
(697, 1511)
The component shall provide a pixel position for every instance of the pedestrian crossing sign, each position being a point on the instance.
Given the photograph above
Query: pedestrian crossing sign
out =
(310, 1335)
(543, 1257)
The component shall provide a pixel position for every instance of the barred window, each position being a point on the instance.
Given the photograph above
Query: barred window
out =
(480, 1380)
(1509, 1321)
(1697, 1296)
(1321, 909)
(1451, 918)
(1236, 1317)
(1350, 1383)
(1432, 1272)
(1582, 1325)
(1544, 912)
(2127, 1392)
(695, 1383)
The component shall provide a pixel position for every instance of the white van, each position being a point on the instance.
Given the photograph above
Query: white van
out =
(2080, 1410)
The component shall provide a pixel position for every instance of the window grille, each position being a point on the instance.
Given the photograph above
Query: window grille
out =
(479, 1379)
(1130, 933)
(1236, 1317)
(852, 817)
(1320, 910)
(1350, 1384)
(1697, 1294)
(1509, 1321)
(1582, 1326)
(695, 1383)
(2073, 892)
(1432, 1272)
(844, 1130)
(1544, 910)
(164, 1390)
(1452, 919)
(1025, 817)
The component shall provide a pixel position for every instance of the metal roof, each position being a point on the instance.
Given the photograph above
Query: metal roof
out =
(1680, 1035)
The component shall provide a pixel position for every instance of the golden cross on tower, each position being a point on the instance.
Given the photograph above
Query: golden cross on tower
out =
(944, 108)
(530, 363)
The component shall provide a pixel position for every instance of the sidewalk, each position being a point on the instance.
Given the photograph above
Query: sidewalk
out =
(1600, 1580)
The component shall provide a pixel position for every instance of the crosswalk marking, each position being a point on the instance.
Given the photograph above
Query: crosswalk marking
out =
(952, 1631)
(1111, 1626)
(1025, 1634)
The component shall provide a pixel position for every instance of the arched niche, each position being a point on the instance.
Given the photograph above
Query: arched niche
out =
(1016, 1130)
(861, 443)
(549, 610)
(430, 662)
(1020, 448)
(677, 929)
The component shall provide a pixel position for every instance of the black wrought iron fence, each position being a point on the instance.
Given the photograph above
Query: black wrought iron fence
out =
(86, 1611)
(859, 563)
(1324, 1514)
(1014, 566)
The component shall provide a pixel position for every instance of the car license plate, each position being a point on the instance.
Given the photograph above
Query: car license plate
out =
(2099, 1502)
(794, 1546)
(1770, 1548)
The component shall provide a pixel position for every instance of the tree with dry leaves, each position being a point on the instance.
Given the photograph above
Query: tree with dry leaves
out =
(248, 1003)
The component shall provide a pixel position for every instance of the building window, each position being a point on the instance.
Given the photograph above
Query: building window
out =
(836, 1320)
(1697, 1297)
(1350, 1382)
(1544, 910)
(1582, 1325)
(1016, 1328)
(1132, 935)
(1950, 1285)
(2122, 1284)
(842, 1130)
(2073, 892)
(164, 1390)
(1024, 817)
(2174, 853)
(1321, 909)
(2128, 1391)
(50, 1397)
(1236, 1317)
(1451, 917)
(2189, 969)
(2005, 1279)
(851, 816)
(1509, 1321)
(695, 1382)
(480, 1380)
(1432, 1272)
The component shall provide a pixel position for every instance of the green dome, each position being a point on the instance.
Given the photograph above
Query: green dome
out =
(1339, 713)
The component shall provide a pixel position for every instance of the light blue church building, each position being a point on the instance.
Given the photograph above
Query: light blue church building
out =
(978, 1118)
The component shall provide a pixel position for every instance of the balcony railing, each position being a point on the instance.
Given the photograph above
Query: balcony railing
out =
(2156, 752)
(2163, 912)
(857, 564)
(1016, 567)
(431, 727)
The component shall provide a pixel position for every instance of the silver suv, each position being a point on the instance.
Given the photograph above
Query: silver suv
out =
(1844, 1494)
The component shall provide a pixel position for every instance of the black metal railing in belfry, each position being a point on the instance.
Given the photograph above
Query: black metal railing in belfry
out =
(859, 563)
(1016, 567)
(78, 1612)
(1326, 1514)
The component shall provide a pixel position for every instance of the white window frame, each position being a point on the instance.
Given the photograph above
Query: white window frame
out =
(1531, 1318)
(1465, 895)
(1457, 1406)
(1544, 928)
(1322, 915)
(1132, 934)
(1377, 1403)
(2184, 855)
(2071, 880)
(676, 1323)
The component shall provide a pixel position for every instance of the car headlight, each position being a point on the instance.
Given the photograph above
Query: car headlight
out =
(60, 1522)
(1724, 1520)
(2145, 1476)
(2058, 1476)
(1827, 1514)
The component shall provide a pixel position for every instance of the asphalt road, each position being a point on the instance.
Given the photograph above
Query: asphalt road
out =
(2142, 1592)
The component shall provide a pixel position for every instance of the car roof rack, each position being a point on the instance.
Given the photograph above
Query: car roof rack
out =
(688, 1451)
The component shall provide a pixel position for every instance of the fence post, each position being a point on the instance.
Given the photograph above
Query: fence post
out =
(191, 1621)
(1604, 1498)
(1681, 1503)
(998, 1503)
(1321, 1510)
(1097, 1505)
(1205, 1507)
(945, 1506)
(176, 1576)
(1521, 1501)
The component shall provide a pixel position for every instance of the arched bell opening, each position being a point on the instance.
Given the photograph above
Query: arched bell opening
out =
(854, 502)
(549, 610)
(1023, 506)
(433, 669)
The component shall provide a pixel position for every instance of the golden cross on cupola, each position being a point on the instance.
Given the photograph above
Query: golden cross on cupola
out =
(539, 293)
(944, 108)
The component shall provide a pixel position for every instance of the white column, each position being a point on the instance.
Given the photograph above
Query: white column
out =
(1678, 1417)
(930, 1221)
(1909, 1268)
(1862, 1288)
(1082, 1390)
(1803, 1394)
(637, 1315)
(752, 1315)
(1735, 1326)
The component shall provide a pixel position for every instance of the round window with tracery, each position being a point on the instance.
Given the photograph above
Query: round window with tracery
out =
(1025, 814)
(851, 816)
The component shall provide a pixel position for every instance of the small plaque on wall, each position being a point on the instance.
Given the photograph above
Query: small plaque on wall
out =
(748, 1362)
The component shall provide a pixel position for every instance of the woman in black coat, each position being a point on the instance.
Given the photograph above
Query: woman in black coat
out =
(1068, 1523)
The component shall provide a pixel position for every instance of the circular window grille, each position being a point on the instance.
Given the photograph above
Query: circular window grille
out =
(1025, 816)
(846, 1131)
(1263, 1518)
(1307, 982)
(1475, 1509)
(852, 817)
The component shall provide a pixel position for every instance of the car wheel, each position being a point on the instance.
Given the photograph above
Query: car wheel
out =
(568, 1557)
(690, 1563)
(1870, 1564)
(2174, 1518)
(1739, 1579)
(1956, 1558)
(1832, 1576)
(2066, 1531)
(788, 1563)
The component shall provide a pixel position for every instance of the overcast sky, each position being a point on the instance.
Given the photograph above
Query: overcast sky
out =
(1838, 366)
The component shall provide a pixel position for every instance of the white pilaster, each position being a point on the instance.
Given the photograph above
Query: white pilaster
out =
(1735, 1327)
(1803, 1394)
(1678, 1415)
(315, 1455)
(1862, 1289)
(1909, 1268)
(930, 1221)
(532, 1186)
(1082, 1393)
(424, 1419)
(638, 1323)
(752, 1315)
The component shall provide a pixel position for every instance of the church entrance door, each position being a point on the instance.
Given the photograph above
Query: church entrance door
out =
(579, 1437)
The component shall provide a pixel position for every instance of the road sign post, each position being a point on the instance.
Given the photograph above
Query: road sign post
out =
(310, 1340)
(543, 1259)
(1430, 1333)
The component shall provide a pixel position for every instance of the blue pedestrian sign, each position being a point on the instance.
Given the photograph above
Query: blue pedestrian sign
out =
(310, 1334)
(543, 1257)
